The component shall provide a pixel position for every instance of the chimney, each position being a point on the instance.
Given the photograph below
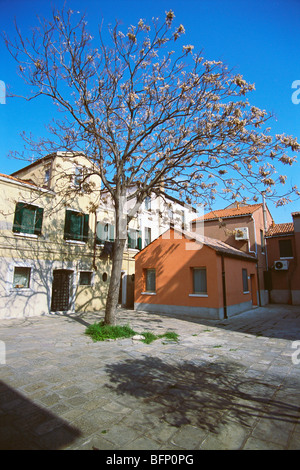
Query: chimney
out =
(296, 220)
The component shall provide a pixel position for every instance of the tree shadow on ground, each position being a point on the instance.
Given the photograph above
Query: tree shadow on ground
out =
(197, 393)
(272, 321)
(26, 426)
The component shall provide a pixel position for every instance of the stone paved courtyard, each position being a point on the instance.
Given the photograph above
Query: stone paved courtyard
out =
(224, 385)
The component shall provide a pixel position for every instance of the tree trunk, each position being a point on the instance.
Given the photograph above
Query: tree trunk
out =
(117, 260)
(114, 285)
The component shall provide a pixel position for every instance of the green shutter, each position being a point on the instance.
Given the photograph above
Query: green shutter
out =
(100, 232)
(67, 225)
(111, 233)
(18, 217)
(135, 239)
(129, 239)
(76, 226)
(105, 232)
(38, 221)
(28, 219)
(85, 227)
(139, 242)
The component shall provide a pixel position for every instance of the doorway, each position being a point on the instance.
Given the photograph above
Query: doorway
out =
(61, 287)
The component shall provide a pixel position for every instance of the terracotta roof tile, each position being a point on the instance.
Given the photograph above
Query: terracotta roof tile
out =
(19, 180)
(280, 229)
(231, 212)
(217, 245)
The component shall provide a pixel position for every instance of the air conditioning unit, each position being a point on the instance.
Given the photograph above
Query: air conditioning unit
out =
(281, 265)
(242, 233)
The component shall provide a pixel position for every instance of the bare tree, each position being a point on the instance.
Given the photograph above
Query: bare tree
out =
(147, 109)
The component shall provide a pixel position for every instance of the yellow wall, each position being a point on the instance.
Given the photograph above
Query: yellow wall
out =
(48, 251)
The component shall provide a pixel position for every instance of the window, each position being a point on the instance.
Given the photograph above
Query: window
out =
(21, 277)
(78, 176)
(199, 281)
(285, 248)
(85, 278)
(147, 236)
(28, 219)
(105, 232)
(76, 226)
(47, 176)
(134, 239)
(245, 280)
(148, 203)
(150, 280)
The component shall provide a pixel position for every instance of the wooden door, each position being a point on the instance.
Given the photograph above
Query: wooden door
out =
(61, 290)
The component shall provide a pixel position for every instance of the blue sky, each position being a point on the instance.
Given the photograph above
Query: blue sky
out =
(259, 39)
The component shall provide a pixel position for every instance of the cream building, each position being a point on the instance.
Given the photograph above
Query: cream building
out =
(57, 232)
(49, 258)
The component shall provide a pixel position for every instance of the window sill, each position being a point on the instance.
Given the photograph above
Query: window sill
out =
(198, 295)
(75, 242)
(286, 257)
(148, 293)
(246, 292)
(20, 289)
(26, 235)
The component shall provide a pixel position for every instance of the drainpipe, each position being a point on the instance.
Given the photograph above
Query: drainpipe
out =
(266, 249)
(255, 241)
(224, 287)
(258, 286)
(265, 228)
(95, 242)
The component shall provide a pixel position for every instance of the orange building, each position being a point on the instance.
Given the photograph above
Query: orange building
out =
(283, 253)
(184, 273)
(243, 226)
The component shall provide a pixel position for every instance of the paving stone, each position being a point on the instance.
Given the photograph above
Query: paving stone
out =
(229, 436)
(274, 429)
(188, 437)
(70, 391)
(140, 444)
(50, 399)
(259, 444)
(95, 443)
(294, 443)
(120, 435)
(60, 390)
